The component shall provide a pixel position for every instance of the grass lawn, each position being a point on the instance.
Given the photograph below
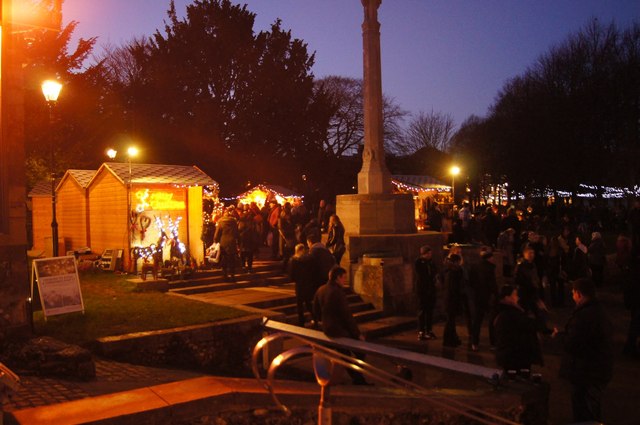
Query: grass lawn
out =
(114, 306)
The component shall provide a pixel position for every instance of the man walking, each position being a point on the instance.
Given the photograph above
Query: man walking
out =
(587, 361)
(331, 307)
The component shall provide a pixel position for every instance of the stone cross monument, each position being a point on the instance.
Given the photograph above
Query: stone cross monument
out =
(374, 210)
(374, 176)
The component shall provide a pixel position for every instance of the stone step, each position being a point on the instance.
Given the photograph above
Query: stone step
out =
(219, 278)
(355, 306)
(291, 311)
(367, 316)
(387, 326)
(223, 286)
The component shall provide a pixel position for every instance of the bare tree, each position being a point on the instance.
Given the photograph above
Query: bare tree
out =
(433, 129)
(345, 132)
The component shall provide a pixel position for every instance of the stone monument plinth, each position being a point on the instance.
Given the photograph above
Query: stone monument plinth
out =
(371, 214)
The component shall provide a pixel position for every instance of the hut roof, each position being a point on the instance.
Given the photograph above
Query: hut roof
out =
(83, 177)
(185, 175)
(420, 182)
(41, 189)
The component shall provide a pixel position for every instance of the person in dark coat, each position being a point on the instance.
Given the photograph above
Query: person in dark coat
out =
(579, 263)
(331, 307)
(249, 239)
(426, 276)
(434, 217)
(453, 282)
(301, 272)
(587, 361)
(227, 236)
(287, 235)
(528, 283)
(323, 260)
(597, 258)
(516, 341)
(335, 240)
(482, 279)
(490, 227)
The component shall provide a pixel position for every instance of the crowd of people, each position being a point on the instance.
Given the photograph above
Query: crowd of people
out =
(546, 252)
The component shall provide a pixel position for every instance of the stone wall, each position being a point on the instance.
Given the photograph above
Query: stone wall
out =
(221, 348)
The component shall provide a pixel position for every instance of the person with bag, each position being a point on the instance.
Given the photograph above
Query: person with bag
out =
(335, 241)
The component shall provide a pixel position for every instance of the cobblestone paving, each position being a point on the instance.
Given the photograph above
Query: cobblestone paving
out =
(110, 377)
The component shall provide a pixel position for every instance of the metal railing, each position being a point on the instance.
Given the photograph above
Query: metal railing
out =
(325, 360)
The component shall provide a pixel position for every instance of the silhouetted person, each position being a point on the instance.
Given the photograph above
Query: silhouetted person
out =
(482, 280)
(587, 362)
(227, 236)
(426, 275)
(453, 281)
(516, 340)
(301, 272)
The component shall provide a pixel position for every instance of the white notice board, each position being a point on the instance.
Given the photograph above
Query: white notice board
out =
(58, 285)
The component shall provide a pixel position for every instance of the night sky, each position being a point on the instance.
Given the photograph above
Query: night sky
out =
(449, 55)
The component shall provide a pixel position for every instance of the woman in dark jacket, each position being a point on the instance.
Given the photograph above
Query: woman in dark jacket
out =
(335, 241)
(517, 345)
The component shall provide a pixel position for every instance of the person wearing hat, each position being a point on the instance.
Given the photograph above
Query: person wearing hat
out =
(426, 274)
(482, 279)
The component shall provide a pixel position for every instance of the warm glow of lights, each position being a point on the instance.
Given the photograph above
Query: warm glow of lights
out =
(51, 90)
(132, 151)
(455, 170)
(260, 196)
(111, 153)
(157, 201)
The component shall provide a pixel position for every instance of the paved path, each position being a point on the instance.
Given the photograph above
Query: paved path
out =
(110, 377)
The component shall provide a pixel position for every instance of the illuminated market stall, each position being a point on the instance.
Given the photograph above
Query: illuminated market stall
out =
(425, 190)
(140, 210)
(263, 193)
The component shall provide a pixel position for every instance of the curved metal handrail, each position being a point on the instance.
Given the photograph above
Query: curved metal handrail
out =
(335, 357)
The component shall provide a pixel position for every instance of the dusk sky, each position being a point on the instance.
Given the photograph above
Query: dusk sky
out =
(451, 56)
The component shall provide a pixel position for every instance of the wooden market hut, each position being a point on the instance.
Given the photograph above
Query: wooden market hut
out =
(71, 212)
(262, 193)
(163, 199)
(125, 207)
(425, 191)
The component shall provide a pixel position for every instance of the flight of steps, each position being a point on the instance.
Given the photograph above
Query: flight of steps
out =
(265, 273)
(373, 322)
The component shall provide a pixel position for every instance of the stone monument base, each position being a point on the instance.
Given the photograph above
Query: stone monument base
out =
(381, 267)
(374, 214)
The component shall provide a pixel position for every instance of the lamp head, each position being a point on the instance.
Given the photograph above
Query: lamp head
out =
(51, 90)
(132, 151)
(455, 170)
(111, 153)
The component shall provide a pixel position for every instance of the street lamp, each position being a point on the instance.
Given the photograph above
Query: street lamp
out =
(454, 171)
(51, 91)
(132, 152)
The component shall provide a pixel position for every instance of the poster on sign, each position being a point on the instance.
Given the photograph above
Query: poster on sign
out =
(58, 285)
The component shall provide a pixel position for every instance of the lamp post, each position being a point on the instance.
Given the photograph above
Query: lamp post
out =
(132, 152)
(51, 91)
(454, 170)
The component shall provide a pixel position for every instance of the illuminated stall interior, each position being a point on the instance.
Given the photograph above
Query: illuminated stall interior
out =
(425, 191)
(262, 193)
